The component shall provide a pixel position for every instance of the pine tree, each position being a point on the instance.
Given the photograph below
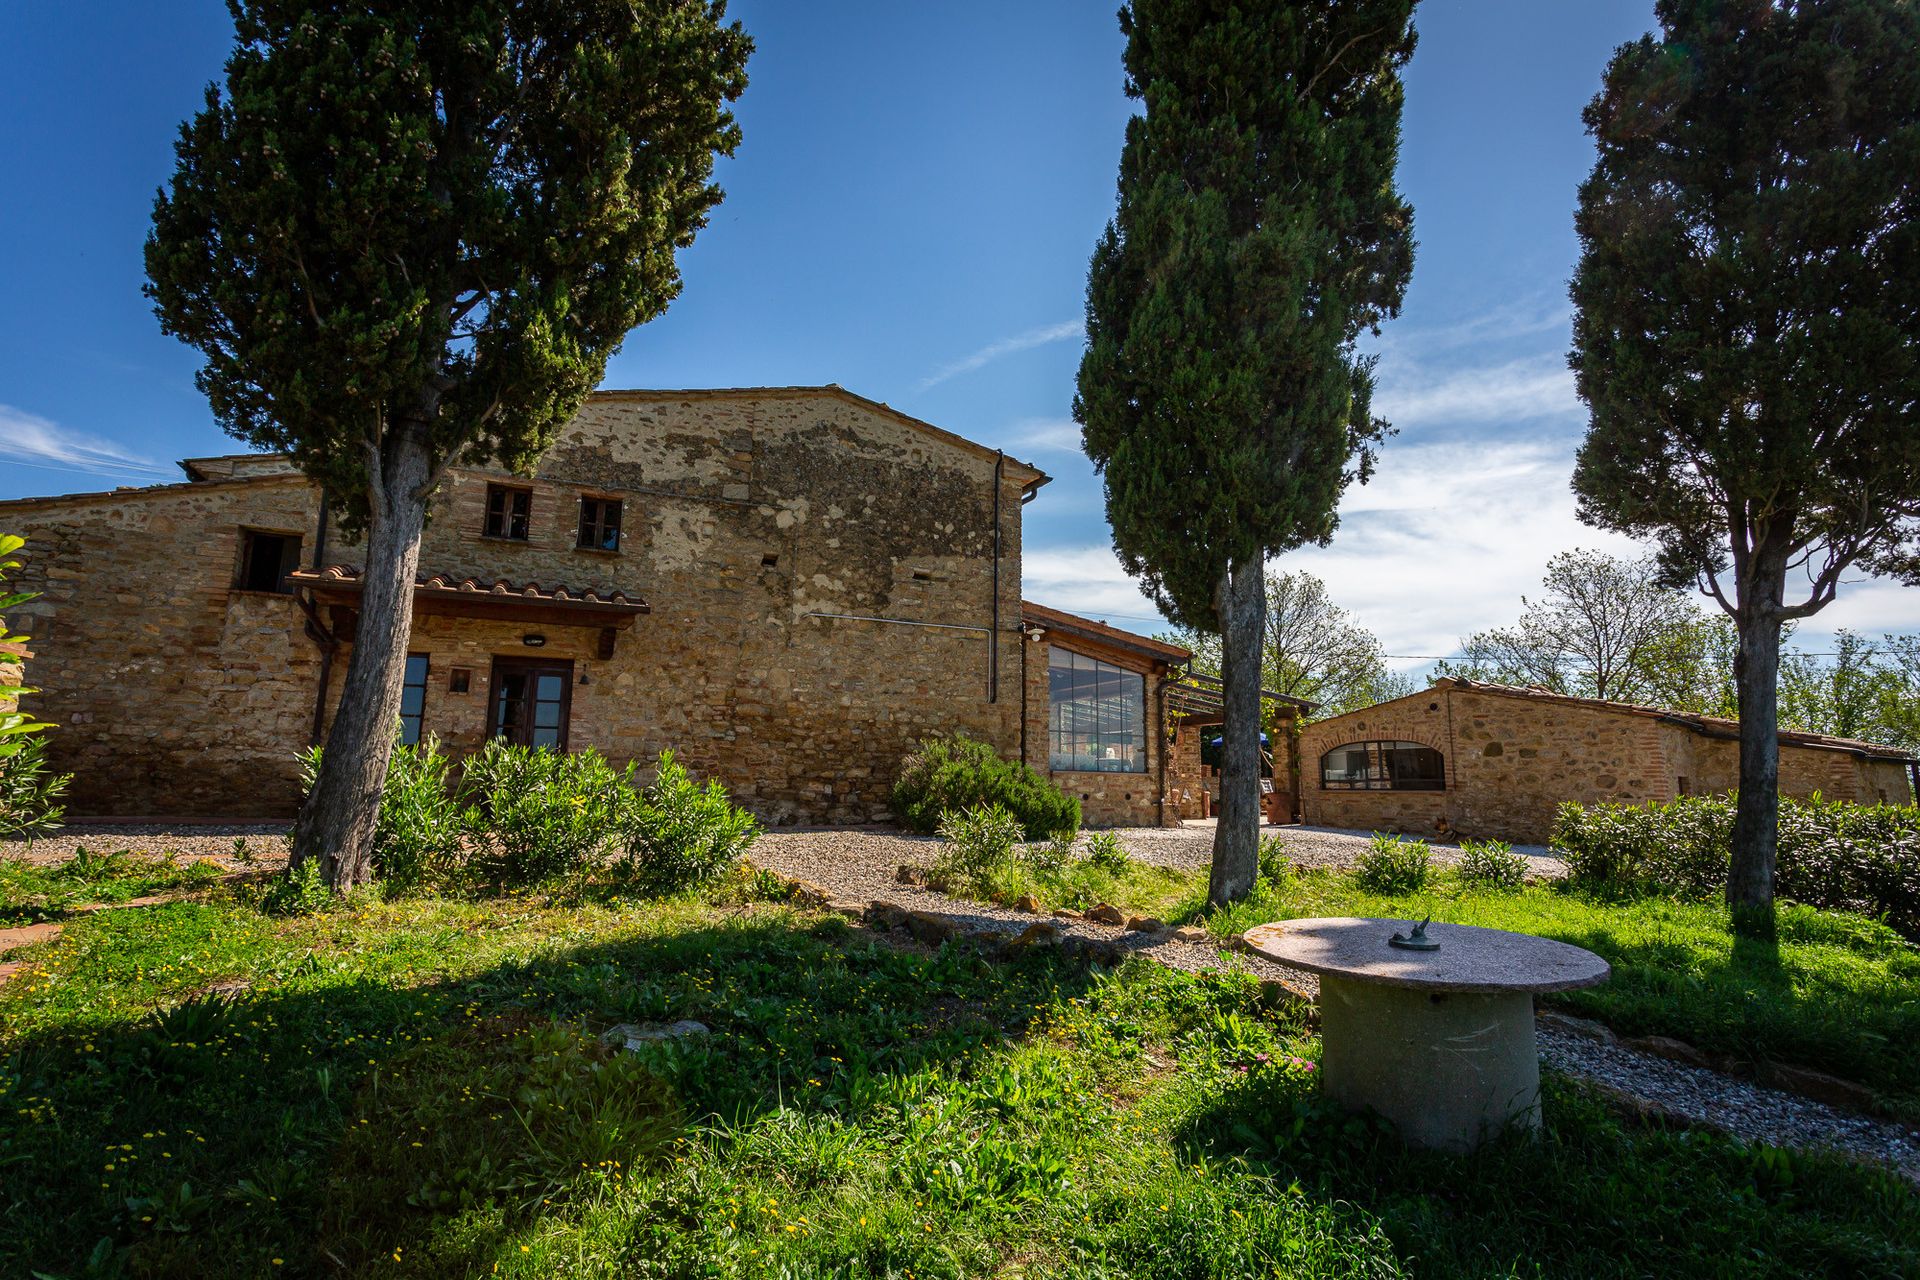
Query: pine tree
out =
(1745, 333)
(412, 233)
(1258, 233)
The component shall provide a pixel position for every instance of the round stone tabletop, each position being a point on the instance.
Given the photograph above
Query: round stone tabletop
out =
(1470, 959)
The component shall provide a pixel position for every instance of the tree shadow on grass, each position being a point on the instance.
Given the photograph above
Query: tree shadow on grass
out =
(331, 1121)
(1589, 1197)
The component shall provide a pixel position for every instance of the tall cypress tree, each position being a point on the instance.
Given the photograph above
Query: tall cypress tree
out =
(1222, 397)
(411, 234)
(1746, 332)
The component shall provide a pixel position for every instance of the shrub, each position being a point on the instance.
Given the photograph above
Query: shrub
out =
(1491, 864)
(1393, 866)
(417, 835)
(980, 843)
(297, 891)
(533, 813)
(30, 792)
(677, 834)
(1050, 856)
(1275, 862)
(1863, 859)
(1106, 853)
(950, 774)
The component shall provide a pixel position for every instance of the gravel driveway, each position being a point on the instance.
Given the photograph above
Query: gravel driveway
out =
(1191, 845)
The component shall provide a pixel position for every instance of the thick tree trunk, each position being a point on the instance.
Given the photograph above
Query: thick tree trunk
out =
(1756, 819)
(336, 822)
(1242, 606)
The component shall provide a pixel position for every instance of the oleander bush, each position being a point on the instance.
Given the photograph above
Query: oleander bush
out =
(677, 834)
(1863, 859)
(1275, 862)
(1491, 864)
(1391, 865)
(30, 792)
(951, 774)
(979, 849)
(1107, 854)
(534, 813)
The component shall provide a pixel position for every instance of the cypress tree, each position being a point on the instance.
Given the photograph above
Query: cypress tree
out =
(1746, 333)
(1222, 396)
(412, 233)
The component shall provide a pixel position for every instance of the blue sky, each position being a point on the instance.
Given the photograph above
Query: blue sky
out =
(910, 216)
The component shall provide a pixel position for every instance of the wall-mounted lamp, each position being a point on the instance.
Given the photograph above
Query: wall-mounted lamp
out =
(533, 641)
(583, 679)
(1036, 634)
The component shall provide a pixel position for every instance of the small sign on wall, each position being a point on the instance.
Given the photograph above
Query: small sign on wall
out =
(1266, 786)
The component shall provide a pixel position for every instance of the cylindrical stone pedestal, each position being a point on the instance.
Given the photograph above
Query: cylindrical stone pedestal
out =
(1449, 1069)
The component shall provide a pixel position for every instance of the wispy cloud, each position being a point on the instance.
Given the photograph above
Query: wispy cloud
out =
(1046, 435)
(1523, 390)
(1005, 347)
(29, 440)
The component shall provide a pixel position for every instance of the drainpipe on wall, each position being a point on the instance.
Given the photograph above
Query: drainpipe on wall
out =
(993, 646)
(317, 632)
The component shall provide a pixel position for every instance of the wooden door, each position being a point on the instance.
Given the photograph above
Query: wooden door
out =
(531, 701)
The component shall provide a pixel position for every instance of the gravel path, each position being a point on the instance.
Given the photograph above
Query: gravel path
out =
(1191, 845)
(267, 841)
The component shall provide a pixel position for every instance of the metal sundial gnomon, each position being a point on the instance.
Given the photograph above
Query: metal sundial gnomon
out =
(1417, 940)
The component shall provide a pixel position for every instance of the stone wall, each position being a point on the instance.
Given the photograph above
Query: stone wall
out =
(173, 692)
(1512, 760)
(1106, 799)
(746, 517)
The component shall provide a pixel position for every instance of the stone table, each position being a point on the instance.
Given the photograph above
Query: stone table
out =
(1440, 1043)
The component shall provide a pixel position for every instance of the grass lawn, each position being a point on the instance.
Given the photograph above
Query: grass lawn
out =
(30, 893)
(1837, 993)
(419, 1088)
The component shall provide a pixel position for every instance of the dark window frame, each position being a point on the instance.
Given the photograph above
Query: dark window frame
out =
(1388, 764)
(509, 508)
(249, 575)
(533, 667)
(1106, 707)
(596, 528)
(413, 724)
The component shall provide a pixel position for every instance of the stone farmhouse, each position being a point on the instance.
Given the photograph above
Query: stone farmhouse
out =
(1494, 761)
(787, 586)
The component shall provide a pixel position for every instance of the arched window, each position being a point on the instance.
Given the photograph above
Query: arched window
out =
(1383, 766)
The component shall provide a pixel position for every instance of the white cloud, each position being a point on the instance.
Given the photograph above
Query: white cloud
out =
(1087, 580)
(1005, 347)
(1045, 435)
(1524, 390)
(29, 440)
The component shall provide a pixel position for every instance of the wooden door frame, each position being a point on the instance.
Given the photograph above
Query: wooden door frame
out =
(564, 666)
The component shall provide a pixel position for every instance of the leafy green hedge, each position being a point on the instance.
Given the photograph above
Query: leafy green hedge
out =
(955, 774)
(1843, 857)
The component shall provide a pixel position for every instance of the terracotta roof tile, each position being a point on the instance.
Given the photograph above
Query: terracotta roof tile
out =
(446, 584)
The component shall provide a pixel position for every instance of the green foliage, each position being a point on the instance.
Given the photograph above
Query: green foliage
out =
(677, 834)
(404, 227)
(31, 892)
(534, 813)
(1861, 859)
(1258, 233)
(1276, 864)
(980, 844)
(297, 891)
(1391, 866)
(418, 836)
(15, 724)
(1049, 857)
(1491, 864)
(947, 774)
(30, 791)
(1107, 854)
(860, 1110)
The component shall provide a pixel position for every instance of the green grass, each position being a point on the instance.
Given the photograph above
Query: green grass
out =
(418, 1088)
(1836, 993)
(30, 892)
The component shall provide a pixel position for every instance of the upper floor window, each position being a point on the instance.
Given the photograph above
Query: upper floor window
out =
(1383, 766)
(600, 524)
(266, 559)
(507, 512)
(1096, 715)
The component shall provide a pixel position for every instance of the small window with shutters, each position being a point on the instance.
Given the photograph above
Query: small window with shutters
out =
(599, 524)
(508, 510)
